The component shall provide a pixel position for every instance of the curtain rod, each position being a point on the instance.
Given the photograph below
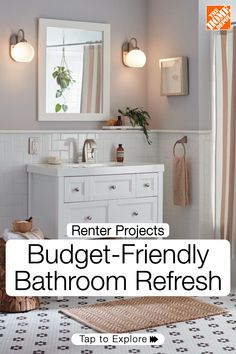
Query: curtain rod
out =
(73, 44)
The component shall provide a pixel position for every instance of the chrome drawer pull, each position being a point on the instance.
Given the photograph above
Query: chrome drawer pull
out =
(146, 185)
(113, 187)
(135, 213)
(88, 218)
(76, 189)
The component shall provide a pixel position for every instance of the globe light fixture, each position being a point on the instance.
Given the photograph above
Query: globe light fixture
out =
(20, 50)
(132, 56)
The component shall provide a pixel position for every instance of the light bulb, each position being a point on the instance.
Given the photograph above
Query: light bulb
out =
(135, 58)
(22, 52)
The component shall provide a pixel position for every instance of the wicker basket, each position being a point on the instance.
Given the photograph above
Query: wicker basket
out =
(22, 226)
(12, 303)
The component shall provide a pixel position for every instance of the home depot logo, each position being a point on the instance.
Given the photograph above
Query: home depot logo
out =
(218, 18)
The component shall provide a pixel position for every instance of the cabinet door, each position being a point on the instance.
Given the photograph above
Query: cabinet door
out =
(134, 210)
(94, 212)
(112, 187)
(146, 184)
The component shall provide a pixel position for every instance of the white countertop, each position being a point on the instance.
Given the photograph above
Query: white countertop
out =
(84, 169)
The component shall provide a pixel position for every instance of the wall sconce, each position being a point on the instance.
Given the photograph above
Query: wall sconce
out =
(132, 56)
(20, 49)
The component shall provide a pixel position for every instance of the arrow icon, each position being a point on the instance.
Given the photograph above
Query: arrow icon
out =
(153, 339)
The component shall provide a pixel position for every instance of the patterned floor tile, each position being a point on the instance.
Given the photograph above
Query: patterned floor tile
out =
(47, 331)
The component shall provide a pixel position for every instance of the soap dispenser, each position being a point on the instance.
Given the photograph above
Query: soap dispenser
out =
(120, 153)
(119, 121)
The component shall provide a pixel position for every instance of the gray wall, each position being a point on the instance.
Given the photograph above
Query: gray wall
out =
(163, 30)
(173, 31)
(19, 80)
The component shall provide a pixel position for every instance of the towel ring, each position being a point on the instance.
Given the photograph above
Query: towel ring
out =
(177, 142)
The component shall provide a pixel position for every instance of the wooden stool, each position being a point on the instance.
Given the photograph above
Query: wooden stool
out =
(13, 303)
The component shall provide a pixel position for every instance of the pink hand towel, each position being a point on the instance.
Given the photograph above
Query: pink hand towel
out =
(180, 182)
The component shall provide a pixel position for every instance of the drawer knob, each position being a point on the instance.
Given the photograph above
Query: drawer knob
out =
(77, 189)
(88, 218)
(113, 187)
(135, 213)
(146, 185)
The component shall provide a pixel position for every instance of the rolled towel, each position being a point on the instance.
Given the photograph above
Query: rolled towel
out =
(180, 182)
(34, 234)
(9, 235)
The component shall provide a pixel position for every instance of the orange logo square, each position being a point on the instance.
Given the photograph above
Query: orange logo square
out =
(218, 18)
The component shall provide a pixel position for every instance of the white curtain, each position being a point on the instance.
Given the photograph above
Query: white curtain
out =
(91, 95)
(225, 135)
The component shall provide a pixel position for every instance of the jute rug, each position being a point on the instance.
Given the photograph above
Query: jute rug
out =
(123, 316)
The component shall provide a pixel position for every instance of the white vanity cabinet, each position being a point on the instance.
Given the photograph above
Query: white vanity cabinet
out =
(58, 195)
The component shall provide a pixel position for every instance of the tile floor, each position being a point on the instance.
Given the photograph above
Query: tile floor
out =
(46, 331)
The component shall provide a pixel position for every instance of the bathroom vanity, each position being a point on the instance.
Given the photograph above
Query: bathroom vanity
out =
(96, 193)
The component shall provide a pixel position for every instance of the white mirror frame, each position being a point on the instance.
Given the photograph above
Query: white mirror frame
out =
(42, 115)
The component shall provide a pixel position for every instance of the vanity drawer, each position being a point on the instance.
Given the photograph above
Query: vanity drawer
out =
(76, 189)
(94, 212)
(146, 184)
(112, 187)
(139, 210)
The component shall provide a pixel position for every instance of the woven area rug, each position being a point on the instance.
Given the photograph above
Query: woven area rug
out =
(123, 316)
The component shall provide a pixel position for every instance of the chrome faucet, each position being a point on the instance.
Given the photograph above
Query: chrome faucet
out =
(89, 148)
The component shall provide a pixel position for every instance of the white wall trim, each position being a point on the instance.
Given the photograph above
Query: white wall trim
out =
(103, 131)
(182, 131)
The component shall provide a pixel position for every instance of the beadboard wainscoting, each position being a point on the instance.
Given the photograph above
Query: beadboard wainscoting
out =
(194, 221)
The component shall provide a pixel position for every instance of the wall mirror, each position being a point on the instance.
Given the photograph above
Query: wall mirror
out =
(73, 71)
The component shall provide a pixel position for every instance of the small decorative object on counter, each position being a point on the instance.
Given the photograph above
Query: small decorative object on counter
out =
(54, 160)
(111, 122)
(120, 153)
(119, 121)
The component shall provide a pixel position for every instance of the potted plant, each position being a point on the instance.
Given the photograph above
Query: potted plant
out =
(138, 117)
(64, 80)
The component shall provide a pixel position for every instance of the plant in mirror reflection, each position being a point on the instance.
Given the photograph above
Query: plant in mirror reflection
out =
(64, 80)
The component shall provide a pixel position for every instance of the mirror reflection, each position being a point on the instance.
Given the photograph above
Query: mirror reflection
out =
(74, 70)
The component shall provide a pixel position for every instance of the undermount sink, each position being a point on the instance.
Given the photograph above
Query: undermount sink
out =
(87, 165)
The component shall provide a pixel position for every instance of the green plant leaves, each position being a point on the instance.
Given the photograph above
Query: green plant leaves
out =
(64, 80)
(138, 117)
(64, 107)
(58, 107)
(58, 93)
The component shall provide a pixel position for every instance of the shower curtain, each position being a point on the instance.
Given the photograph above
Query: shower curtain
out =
(91, 95)
(225, 135)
